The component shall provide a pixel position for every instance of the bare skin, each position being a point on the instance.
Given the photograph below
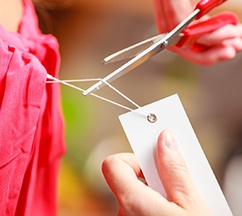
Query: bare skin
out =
(122, 171)
(136, 198)
(10, 14)
(223, 43)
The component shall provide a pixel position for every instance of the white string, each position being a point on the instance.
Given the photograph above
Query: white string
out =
(67, 82)
(125, 97)
(55, 80)
(70, 81)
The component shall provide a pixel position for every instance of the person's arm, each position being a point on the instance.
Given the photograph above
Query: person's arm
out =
(136, 198)
(223, 43)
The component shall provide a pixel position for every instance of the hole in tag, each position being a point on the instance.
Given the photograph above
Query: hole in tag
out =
(152, 118)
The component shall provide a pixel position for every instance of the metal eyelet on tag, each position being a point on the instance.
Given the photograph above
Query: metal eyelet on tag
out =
(152, 118)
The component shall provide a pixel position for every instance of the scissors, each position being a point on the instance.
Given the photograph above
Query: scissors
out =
(182, 34)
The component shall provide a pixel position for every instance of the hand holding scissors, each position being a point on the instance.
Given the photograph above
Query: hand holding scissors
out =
(181, 35)
(222, 43)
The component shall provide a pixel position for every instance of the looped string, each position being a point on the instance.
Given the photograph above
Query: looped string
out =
(67, 83)
(150, 116)
(125, 97)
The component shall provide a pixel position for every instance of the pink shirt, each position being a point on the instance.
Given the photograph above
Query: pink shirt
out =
(31, 126)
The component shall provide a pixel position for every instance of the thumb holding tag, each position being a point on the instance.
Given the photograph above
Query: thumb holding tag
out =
(176, 177)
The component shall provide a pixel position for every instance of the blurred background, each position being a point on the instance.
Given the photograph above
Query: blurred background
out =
(88, 31)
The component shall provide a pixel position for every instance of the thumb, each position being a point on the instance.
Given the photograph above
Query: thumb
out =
(173, 171)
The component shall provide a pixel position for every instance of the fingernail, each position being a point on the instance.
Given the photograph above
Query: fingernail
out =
(170, 140)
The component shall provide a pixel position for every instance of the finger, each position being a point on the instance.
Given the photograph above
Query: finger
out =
(217, 37)
(215, 54)
(121, 172)
(164, 11)
(236, 43)
(160, 16)
(114, 168)
(173, 171)
(208, 57)
(222, 45)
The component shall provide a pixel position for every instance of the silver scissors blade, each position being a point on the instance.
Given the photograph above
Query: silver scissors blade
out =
(133, 50)
(133, 63)
(169, 39)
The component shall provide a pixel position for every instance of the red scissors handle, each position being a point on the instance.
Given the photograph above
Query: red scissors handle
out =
(207, 5)
(193, 32)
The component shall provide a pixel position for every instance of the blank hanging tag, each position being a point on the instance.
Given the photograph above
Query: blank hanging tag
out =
(142, 135)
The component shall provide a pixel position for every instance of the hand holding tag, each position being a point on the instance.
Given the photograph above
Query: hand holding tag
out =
(135, 198)
(142, 136)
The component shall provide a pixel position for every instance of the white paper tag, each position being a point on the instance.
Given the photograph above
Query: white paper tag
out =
(142, 136)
